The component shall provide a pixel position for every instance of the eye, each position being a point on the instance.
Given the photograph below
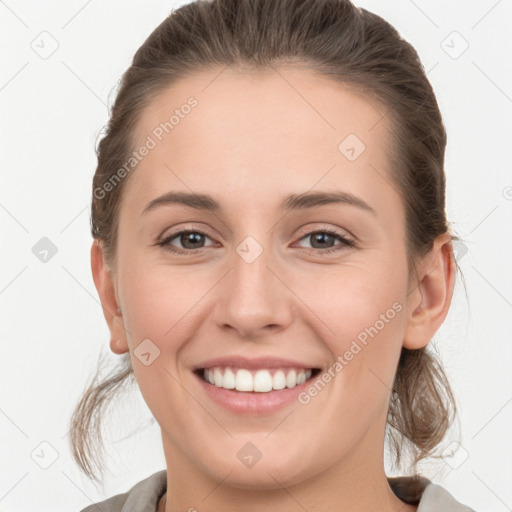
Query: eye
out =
(324, 237)
(191, 241)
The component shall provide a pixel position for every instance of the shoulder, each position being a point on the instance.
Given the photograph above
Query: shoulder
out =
(428, 496)
(436, 498)
(143, 496)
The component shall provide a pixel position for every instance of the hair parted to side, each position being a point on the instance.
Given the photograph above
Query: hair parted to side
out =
(331, 38)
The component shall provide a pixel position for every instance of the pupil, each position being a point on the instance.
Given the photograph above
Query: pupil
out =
(320, 236)
(191, 237)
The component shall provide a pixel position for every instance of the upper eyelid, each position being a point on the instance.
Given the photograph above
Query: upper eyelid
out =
(207, 232)
(307, 230)
(336, 230)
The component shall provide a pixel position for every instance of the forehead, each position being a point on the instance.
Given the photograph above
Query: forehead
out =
(275, 129)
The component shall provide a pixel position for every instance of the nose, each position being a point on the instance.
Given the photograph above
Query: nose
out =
(254, 299)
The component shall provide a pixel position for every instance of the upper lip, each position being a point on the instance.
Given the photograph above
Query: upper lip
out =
(253, 363)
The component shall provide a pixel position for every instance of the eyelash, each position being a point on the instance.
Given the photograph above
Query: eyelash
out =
(345, 241)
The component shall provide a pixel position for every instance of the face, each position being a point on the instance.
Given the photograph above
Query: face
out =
(263, 283)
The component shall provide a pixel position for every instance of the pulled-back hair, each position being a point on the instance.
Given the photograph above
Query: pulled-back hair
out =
(346, 44)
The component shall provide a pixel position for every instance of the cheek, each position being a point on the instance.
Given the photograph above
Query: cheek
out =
(364, 314)
(353, 297)
(159, 302)
(160, 318)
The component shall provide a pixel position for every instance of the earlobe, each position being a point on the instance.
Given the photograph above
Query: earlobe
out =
(103, 281)
(430, 301)
(118, 346)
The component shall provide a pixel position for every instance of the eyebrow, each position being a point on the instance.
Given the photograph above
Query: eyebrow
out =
(302, 201)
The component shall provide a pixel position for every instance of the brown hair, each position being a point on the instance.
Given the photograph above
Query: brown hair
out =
(334, 39)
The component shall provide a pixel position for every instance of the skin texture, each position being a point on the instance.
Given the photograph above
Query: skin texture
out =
(253, 139)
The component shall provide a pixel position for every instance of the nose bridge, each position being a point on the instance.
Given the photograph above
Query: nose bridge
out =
(253, 297)
(252, 280)
(251, 269)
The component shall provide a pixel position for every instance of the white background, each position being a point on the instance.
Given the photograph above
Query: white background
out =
(53, 327)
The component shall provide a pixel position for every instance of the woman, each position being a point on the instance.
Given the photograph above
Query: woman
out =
(273, 258)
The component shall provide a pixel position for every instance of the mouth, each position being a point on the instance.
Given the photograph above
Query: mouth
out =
(263, 380)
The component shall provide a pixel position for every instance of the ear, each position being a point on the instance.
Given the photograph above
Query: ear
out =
(105, 285)
(430, 300)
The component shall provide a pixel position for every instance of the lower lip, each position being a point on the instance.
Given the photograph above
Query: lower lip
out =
(251, 402)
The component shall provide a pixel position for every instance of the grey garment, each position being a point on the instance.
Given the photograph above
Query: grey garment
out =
(144, 496)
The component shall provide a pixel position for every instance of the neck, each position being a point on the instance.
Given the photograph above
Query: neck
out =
(350, 485)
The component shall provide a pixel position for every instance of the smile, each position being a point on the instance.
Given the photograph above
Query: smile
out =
(256, 380)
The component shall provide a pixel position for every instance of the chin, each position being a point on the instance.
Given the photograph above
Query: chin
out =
(251, 468)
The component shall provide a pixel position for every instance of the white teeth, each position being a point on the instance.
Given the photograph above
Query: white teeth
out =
(229, 379)
(262, 381)
(217, 377)
(291, 379)
(243, 381)
(279, 380)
